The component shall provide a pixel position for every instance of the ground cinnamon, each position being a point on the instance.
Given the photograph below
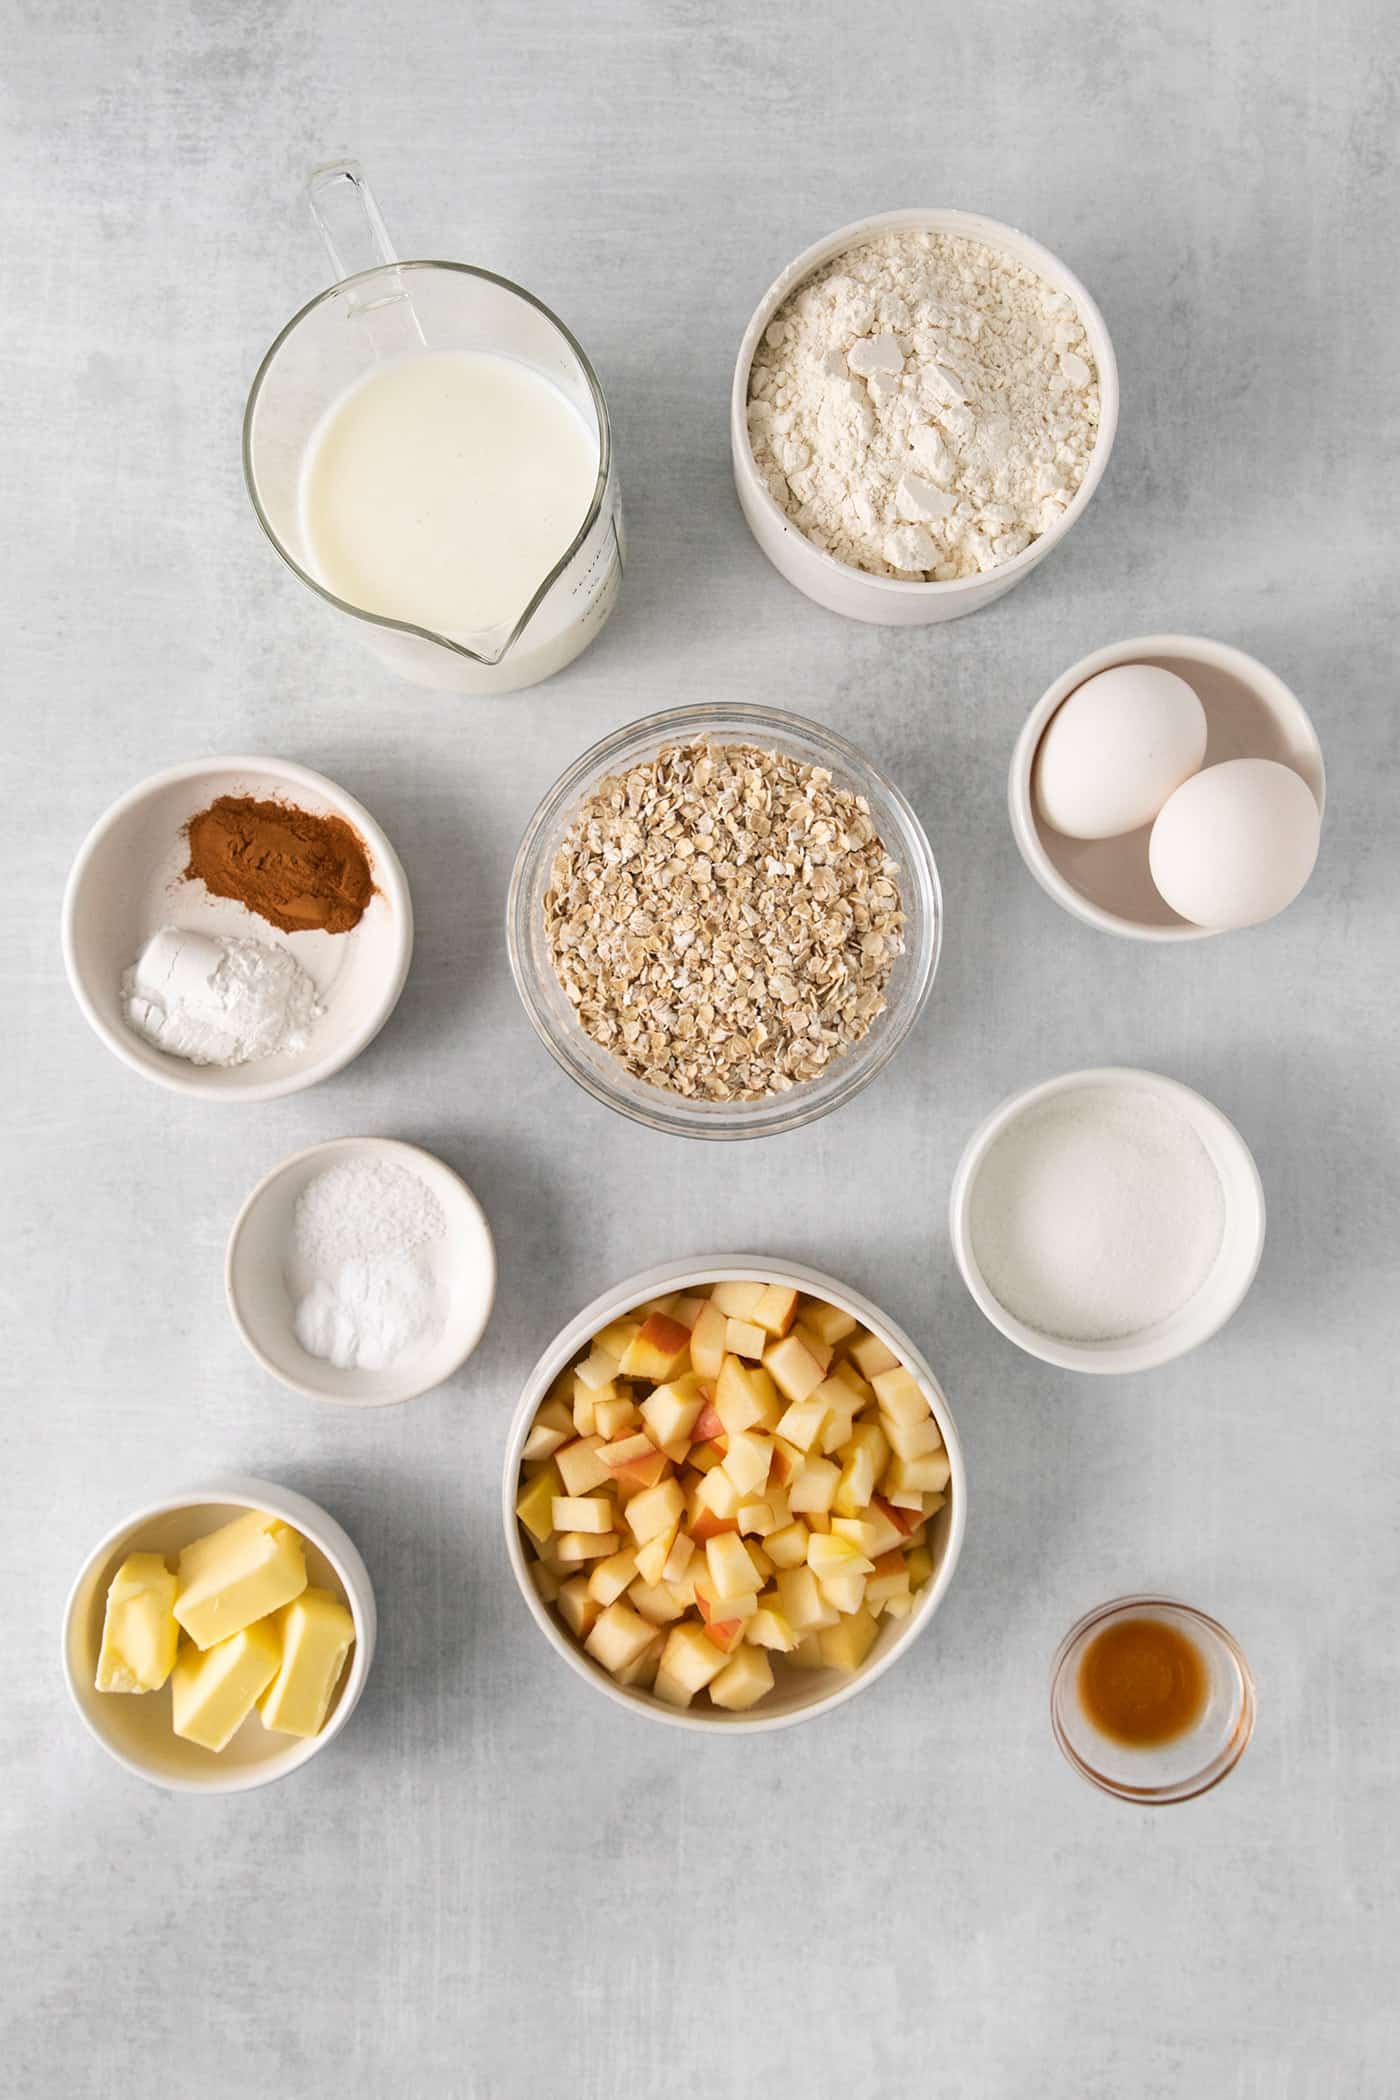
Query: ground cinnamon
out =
(304, 873)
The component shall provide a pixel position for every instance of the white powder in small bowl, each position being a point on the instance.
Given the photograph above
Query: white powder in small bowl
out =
(363, 1280)
(1096, 1214)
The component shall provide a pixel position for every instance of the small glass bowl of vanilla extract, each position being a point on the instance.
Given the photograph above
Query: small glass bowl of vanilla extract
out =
(1151, 1700)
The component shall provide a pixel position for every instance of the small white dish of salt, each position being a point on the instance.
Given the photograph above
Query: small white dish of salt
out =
(361, 1271)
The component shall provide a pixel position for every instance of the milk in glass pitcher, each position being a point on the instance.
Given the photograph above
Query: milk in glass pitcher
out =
(428, 449)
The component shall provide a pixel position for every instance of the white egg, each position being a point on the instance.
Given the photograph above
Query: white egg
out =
(1115, 750)
(1236, 843)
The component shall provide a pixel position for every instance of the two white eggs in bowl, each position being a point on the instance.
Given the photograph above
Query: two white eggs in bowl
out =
(1168, 788)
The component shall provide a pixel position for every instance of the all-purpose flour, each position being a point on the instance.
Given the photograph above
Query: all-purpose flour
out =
(924, 406)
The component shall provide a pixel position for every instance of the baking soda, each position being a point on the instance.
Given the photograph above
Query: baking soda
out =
(363, 1279)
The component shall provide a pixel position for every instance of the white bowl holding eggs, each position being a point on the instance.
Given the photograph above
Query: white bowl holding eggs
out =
(1249, 713)
(135, 1728)
(818, 1691)
(127, 882)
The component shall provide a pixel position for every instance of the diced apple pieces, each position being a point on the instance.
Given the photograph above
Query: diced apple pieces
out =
(576, 1608)
(689, 1659)
(731, 1568)
(801, 1602)
(743, 1681)
(583, 1513)
(653, 1556)
(575, 1546)
(743, 1338)
(610, 1577)
(744, 1397)
(670, 1413)
(793, 1368)
(869, 1354)
(801, 1423)
(658, 1350)
(917, 1476)
(821, 1352)
(912, 1439)
(612, 1417)
(656, 1509)
(656, 1601)
(769, 1629)
(846, 1645)
(718, 1494)
(642, 1672)
(814, 1487)
(707, 1341)
(738, 1301)
(617, 1339)
(543, 1440)
(776, 1309)
(618, 1637)
(580, 1466)
(747, 1460)
(787, 1548)
(843, 1587)
(679, 1558)
(827, 1321)
(597, 1370)
(773, 1471)
(900, 1395)
(826, 1554)
(535, 1503)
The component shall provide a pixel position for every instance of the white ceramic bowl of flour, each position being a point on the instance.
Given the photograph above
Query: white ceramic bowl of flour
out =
(128, 882)
(1108, 1220)
(893, 601)
(367, 1242)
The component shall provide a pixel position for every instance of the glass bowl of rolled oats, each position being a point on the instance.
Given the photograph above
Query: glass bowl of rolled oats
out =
(723, 922)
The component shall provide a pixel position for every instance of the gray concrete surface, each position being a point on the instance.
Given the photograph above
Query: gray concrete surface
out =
(494, 1885)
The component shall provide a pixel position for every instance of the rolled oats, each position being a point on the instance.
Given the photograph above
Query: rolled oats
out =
(724, 920)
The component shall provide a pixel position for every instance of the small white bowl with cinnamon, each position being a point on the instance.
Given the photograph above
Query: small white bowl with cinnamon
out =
(237, 928)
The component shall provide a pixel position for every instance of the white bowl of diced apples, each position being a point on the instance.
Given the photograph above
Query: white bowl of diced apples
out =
(734, 1493)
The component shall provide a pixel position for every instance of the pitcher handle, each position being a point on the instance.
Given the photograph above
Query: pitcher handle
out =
(356, 238)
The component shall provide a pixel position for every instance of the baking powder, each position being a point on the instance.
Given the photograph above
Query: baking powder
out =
(924, 406)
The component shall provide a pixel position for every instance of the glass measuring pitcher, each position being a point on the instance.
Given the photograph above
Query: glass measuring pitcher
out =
(383, 309)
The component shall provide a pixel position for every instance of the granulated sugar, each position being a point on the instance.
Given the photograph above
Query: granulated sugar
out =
(1097, 1214)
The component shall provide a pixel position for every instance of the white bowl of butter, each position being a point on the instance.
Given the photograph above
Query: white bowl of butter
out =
(137, 1728)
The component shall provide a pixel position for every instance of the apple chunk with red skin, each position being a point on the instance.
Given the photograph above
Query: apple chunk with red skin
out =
(657, 1351)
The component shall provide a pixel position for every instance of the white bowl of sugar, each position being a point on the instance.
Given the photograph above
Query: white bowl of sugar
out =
(361, 1271)
(1107, 1220)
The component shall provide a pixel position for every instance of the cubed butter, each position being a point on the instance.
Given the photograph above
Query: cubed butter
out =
(237, 1574)
(139, 1633)
(212, 1692)
(316, 1633)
